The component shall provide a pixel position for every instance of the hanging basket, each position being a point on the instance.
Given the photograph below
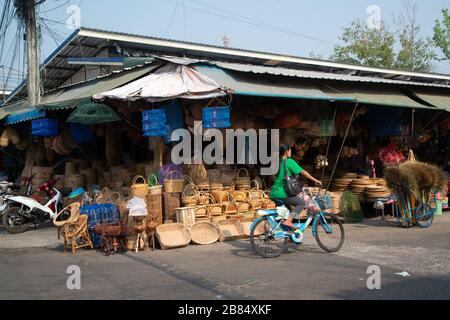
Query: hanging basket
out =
(139, 189)
(172, 184)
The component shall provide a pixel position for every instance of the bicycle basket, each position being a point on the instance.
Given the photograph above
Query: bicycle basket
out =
(325, 202)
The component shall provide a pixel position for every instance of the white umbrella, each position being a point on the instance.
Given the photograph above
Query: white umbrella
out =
(168, 82)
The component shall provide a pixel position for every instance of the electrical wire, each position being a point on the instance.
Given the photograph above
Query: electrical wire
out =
(171, 18)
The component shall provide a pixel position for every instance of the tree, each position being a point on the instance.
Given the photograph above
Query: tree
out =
(415, 54)
(442, 34)
(367, 46)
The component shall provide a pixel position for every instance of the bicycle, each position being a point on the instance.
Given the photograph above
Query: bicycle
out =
(422, 215)
(269, 238)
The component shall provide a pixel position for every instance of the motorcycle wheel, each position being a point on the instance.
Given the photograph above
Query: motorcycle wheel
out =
(13, 222)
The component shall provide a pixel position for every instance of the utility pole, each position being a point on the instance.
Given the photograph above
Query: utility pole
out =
(28, 9)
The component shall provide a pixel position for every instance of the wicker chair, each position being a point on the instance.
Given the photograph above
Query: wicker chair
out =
(76, 234)
(74, 215)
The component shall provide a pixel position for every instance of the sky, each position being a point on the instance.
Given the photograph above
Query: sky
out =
(306, 26)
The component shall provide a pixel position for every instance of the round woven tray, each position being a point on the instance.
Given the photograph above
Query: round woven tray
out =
(204, 233)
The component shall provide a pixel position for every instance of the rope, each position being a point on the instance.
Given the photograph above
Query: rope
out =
(342, 146)
(329, 143)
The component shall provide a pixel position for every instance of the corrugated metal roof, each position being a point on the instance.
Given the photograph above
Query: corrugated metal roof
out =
(87, 42)
(316, 74)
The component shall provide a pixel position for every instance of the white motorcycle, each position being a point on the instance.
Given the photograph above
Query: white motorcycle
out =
(22, 212)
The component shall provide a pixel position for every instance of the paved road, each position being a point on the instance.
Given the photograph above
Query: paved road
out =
(33, 266)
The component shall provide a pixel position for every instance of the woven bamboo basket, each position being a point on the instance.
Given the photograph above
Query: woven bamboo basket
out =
(204, 233)
(214, 209)
(215, 219)
(190, 196)
(171, 203)
(173, 184)
(172, 235)
(246, 225)
(255, 204)
(255, 193)
(201, 212)
(243, 207)
(242, 182)
(214, 175)
(185, 216)
(139, 189)
(229, 208)
(215, 186)
(154, 189)
(230, 229)
(267, 203)
(155, 208)
(240, 196)
(205, 198)
(203, 219)
(220, 195)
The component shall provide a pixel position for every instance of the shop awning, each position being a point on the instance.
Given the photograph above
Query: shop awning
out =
(375, 95)
(169, 82)
(243, 83)
(78, 95)
(72, 96)
(25, 116)
(437, 99)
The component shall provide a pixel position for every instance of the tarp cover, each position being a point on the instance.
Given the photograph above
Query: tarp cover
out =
(93, 113)
(168, 82)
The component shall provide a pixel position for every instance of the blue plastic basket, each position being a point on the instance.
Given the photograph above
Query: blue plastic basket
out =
(216, 117)
(80, 132)
(44, 127)
(100, 213)
(154, 123)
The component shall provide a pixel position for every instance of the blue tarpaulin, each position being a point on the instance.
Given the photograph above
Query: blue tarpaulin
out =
(24, 116)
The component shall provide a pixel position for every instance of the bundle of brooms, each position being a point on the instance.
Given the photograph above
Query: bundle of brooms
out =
(417, 177)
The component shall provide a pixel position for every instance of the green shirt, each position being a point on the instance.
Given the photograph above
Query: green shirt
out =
(278, 189)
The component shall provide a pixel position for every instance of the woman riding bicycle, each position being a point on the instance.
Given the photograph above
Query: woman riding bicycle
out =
(279, 188)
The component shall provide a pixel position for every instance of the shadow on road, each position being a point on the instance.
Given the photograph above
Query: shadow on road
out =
(408, 288)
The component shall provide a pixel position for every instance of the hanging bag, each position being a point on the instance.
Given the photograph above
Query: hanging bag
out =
(292, 184)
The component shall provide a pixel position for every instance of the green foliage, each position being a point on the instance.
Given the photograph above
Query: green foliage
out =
(372, 47)
(442, 34)
(366, 46)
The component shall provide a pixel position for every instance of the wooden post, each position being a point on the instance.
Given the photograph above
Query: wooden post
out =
(159, 152)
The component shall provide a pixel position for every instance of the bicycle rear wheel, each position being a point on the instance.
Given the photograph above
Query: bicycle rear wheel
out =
(424, 215)
(263, 241)
(330, 235)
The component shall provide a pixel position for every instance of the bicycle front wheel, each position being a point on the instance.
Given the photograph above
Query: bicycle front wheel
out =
(424, 215)
(263, 240)
(329, 232)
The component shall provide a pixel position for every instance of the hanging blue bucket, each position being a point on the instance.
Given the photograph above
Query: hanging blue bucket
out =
(44, 127)
(216, 117)
(154, 123)
(175, 119)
